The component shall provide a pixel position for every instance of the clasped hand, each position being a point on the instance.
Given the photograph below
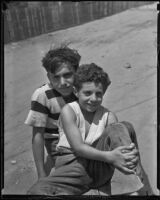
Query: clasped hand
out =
(125, 158)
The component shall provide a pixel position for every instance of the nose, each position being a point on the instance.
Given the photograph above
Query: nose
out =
(93, 97)
(62, 81)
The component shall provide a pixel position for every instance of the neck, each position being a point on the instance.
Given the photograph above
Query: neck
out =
(88, 115)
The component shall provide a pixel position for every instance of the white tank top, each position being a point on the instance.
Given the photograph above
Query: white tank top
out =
(96, 129)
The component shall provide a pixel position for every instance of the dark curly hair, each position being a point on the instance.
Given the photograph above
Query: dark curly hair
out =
(55, 57)
(91, 73)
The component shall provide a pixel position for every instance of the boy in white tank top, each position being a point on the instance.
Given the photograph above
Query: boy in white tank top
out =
(94, 149)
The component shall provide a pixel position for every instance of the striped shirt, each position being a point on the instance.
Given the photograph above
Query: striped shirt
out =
(46, 105)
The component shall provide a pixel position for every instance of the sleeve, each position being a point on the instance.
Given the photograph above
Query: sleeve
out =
(38, 114)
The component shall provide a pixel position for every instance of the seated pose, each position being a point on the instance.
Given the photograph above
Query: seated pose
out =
(46, 103)
(94, 149)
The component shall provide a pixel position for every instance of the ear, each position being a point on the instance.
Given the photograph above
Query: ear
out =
(75, 91)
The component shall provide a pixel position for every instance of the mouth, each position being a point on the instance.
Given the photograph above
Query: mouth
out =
(93, 105)
(65, 88)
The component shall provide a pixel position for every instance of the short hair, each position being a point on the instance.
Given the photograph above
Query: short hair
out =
(91, 73)
(54, 58)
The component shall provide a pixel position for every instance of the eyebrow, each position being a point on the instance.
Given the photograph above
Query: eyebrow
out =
(91, 91)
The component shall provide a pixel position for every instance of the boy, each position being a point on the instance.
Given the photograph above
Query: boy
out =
(91, 143)
(61, 64)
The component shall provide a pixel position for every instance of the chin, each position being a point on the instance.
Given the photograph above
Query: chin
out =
(66, 93)
(91, 110)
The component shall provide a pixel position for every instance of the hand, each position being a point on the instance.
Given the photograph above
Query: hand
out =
(124, 158)
(132, 156)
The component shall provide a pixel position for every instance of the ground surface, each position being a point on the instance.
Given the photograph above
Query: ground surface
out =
(125, 46)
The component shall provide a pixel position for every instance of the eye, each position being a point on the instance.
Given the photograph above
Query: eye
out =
(68, 75)
(87, 93)
(56, 77)
(99, 94)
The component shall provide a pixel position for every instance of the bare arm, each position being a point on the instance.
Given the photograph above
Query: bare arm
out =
(38, 150)
(73, 135)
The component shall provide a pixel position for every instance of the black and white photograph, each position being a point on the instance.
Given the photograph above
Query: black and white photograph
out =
(80, 98)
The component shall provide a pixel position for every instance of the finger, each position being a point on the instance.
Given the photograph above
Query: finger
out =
(130, 158)
(135, 160)
(125, 150)
(134, 152)
(132, 145)
(130, 165)
(129, 147)
(127, 171)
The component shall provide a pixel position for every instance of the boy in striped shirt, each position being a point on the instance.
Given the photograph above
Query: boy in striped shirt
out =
(47, 101)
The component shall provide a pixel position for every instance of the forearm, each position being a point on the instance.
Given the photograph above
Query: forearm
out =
(94, 154)
(89, 152)
(38, 153)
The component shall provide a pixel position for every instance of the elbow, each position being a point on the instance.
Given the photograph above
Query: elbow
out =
(36, 138)
(79, 150)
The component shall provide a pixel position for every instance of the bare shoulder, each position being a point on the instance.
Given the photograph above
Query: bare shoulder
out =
(66, 108)
(112, 118)
(67, 112)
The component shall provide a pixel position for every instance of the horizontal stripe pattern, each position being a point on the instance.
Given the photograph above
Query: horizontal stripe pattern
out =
(52, 94)
(46, 104)
(36, 119)
(51, 130)
(36, 106)
(54, 116)
(71, 98)
(51, 137)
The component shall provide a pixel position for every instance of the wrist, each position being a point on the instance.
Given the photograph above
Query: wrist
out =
(108, 157)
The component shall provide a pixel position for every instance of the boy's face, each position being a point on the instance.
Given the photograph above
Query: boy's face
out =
(90, 96)
(62, 79)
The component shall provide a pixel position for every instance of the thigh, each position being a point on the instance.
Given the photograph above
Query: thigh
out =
(69, 178)
(120, 134)
(44, 186)
(115, 135)
(100, 172)
(131, 132)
